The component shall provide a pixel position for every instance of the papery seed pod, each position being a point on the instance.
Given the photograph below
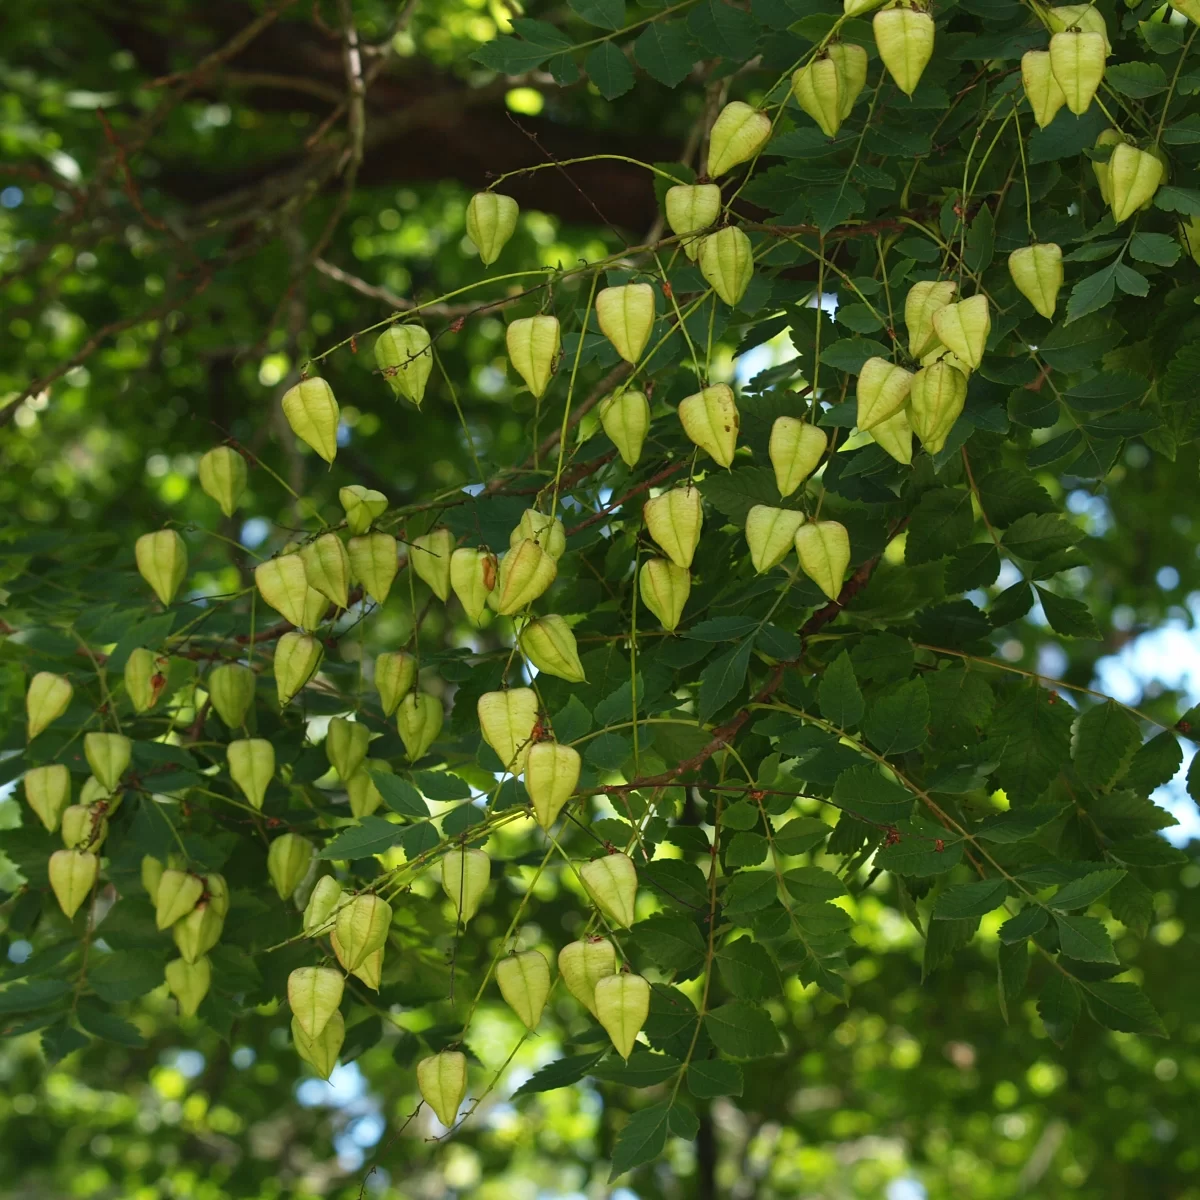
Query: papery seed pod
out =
(1109, 137)
(72, 877)
(625, 418)
(923, 301)
(346, 745)
(506, 720)
(231, 692)
(188, 983)
(403, 355)
(710, 418)
(533, 344)
(162, 561)
(817, 87)
(622, 1005)
(222, 473)
(851, 62)
(143, 678)
(419, 718)
(904, 38)
(1133, 177)
(583, 964)
(108, 755)
(374, 560)
(1078, 16)
(83, 828)
(362, 506)
(612, 884)
(770, 534)
(894, 436)
(524, 982)
(547, 531)
(297, 656)
(626, 317)
(321, 1053)
(288, 859)
(691, 208)
(1037, 271)
(939, 393)
(395, 674)
(473, 575)
(737, 135)
(48, 791)
(178, 893)
(362, 928)
(197, 933)
(526, 572)
(727, 263)
(465, 878)
(491, 221)
(46, 699)
(664, 588)
(314, 994)
(1189, 9)
(1041, 88)
(429, 555)
(93, 791)
(442, 1080)
(795, 450)
(853, 8)
(312, 412)
(315, 607)
(674, 520)
(882, 390)
(327, 569)
(550, 645)
(364, 796)
(252, 767)
(551, 777)
(151, 874)
(283, 584)
(1077, 60)
(324, 900)
(964, 328)
(216, 892)
(823, 548)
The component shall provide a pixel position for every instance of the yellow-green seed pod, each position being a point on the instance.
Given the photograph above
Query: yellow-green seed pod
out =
(362, 928)
(524, 982)
(93, 791)
(283, 584)
(923, 301)
(664, 589)
(297, 656)
(465, 878)
(710, 418)
(622, 1005)
(429, 556)
(346, 745)
(222, 473)
(143, 679)
(83, 828)
(442, 1080)
(526, 572)
(288, 859)
(1078, 16)
(197, 933)
(626, 317)
(491, 221)
(362, 506)
(419, 718)
(894, 436)
(854, 8)
(231, 692)
(108, 756)
(904, 39)
(178, 893)
(46, 699)
(315, 607)
(252, 767)
(1037, 271)
(152, 873)
(506, 720)
(370, 970)
(395, 674)
(583, 964)
(374, 560)
(72, 876)
(364, 796)
(533, 344)
(727, 263)
(312, 412)
(48, 791)
(188, 983)
(322, 904)
(1110, 137)
(964, 328)
(327, 569)
(473, 575)
(404, 358)
(1133, 177)
(162, 561)
(818, 89)
(551, 777)
(796, 449)
(674, 520)
(550, 645)
(612, 884)
(217, 894)
(1077, 60)
(1189, 233)
(851, 62)
(1189, 9)
(1041, 88)
(882, 391)
(692, 208)
(939, 393)
(321, 1053)
(737, 135)
(823, 548)
(770, 534)
(314, 994)
(625, 418)
(547, 531)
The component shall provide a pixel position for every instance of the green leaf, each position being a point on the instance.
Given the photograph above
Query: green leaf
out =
(1154, 764)
(107, 1026)
(1106, 739)
(125, 975)
(747, 970)
(1178, 199)
(400, 795)
(643, 1069)
(897, 721)
(714, 1077)
(32, 995)
(734, 493)
(1006, 495)
(1012, 968)
(723, 679)
(1079, 893)
(664, 52)
(1132, 903)
(1136, 79)
(441, 785)
(941, 523)
(1092, 293)
(942, 939)
(970, 899)
(671, 943)
(1085, 939)
(1037, 535)
(1033, 730)
(839, 695)
(742, 1030)
(722, 29)
(923, 849)
(1030, 920)
(864, 792)
(1123, 1007)
(801, 834)
(607, 14)
(1157, 248)
(678, 882)
(1067, 617)
(1059, 1007)
(642, 1140)
(747, 850)
(372, 835)
(609, 70)
(749, 891)
(849, 354)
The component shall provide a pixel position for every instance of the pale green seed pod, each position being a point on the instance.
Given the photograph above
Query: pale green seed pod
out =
(551, 777)
(727, 263)
(362, 927)
(404, 357)
(796, 449)
(222, 474)
(533, 344)
(297, 656)
(178, 893)
(1086, 17)
(419, 720)
(314, 994)
(583, 964)
(143, 679)
(188, 983)
(48, 792)
(252, 767)
(491, 221)
(362, 506)
(883, 389)
(626, 317)
(923, 301)
(442, 1080)
(1077, 60)
(625, 418)
(506, 720)
(327, 570)
(288, 859)
(526, 572)
(321, 1053)
(664, 588)
(93, 791)
(283, 584)
(770, 534)
(108, 755)
(429, 556)
(547, 531)
(395, 674)
(674, 520)
(854, 8)
(83, 828)
(939, 393)
(1037, 271)
(162, 561)
(152, 873)
(364, 796)
(374, 561)
(322, 904)
(737, 135)
(312, 412)
(851, 61)
(46, 699)
(197, 933)
(346, 745)
(1189, 231)
(473, 575)
(1109, 137)
(894, 436)
(1041, 88)
(823, 548)
(550, 645)
(72, 876)
(692, 208)
(217, 894)
(904, 38)
(818, 88)
(524, 982)
(711, 420)
(465, 878)
(622, 1006)
(963, 329)
(1133, 177)
(612, 884)
(231, 692)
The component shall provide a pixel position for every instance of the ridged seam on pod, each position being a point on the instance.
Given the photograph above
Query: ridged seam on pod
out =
(321, 1053)
(904, 38)
(429, 556)
(795, 450)
(362, 505)
(72, 875)
(404, 358)
(197, 933)
(691, 208)
(1077, 60)
(622, 1005)
(770, 534)
(442, 1081)
(524, 982)
(465, 877)
(222, 474)
(1108, 137)
(710, 418)
(327, 568)
(626, 317)
(178, 893)
(251, 767)
(895, 437)
(346, 745)
(362, 928)
(612, 884)
(1078, 16)
(882, 390)
(312, 412)
(288, 859)
(188, 983)
(539, 527)
(283, 584)
(550, 645)
(395, 674)
(314, 994)
(964, 328)
(817, 87)
(419, 720)
(162, 561)
(83, 827)
(151, 875)
(364, 796)
(664, 588)
(491, 221)
(108, 755)
(532, 348)
(851, 62)
(737, 135)
(938, 395)
(823, 548)
(473, 575)
(625, 419)
(526, 571)
(1037, 271)
(924, 299)
(727, 263)
(326, 896)
(144, 678)
(374, 561)
(47, 792)
(506, 720)
(674, 520)
(370, 970)
(231, 692)
(93, 791)
(297, 656)
(1133, 177)
(46, 699)
(1041, 88)
(583, 964)
(551, 777)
